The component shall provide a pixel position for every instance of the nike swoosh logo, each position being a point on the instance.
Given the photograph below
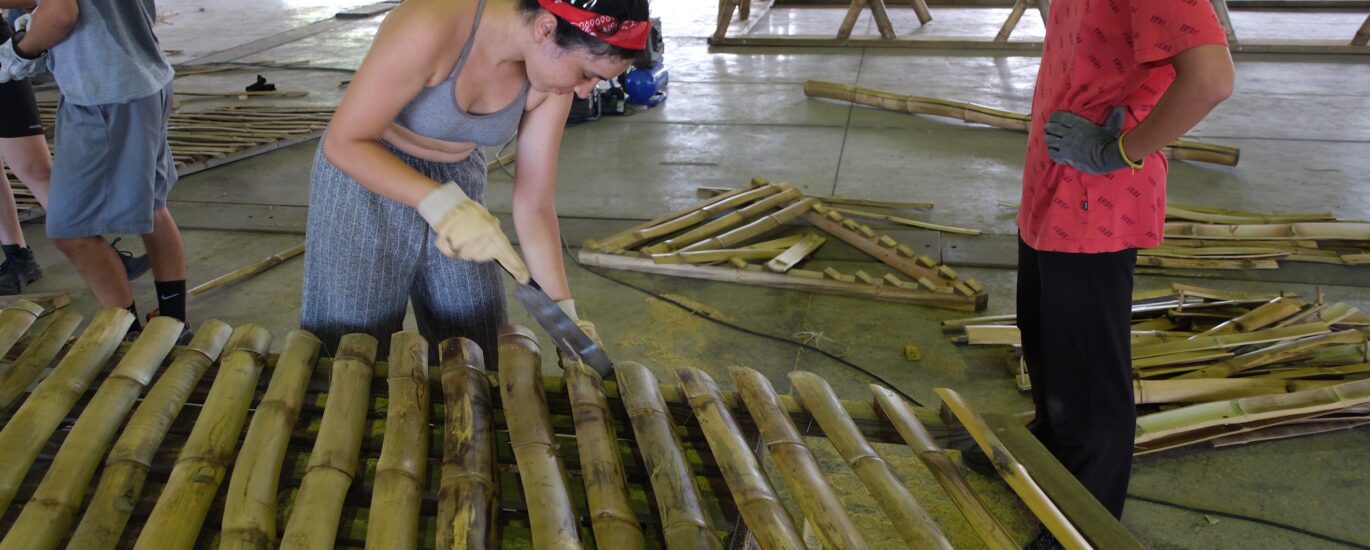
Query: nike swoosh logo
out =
(159, 296)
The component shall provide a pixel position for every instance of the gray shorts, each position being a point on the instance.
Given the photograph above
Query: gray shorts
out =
(112, 167)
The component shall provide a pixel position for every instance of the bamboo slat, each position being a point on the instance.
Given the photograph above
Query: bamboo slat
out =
(399, 482)
(39, 416)
(898, 412)
(175, 521)
(707, 211)
(796, 463)
(313, 522)
(541, 471)
(128, 463)
(752, 492)
(684, 524)
(908, 222)
(606, 489)
(37, 355)
(1231, 341)
(250, 507)
(1205, 417)
(15, 321)
(627, 239)
(787, 193)
(1215, 389)
(913, 523)
(761, 226)
(468, 497)
(796, 253)
(48, 515)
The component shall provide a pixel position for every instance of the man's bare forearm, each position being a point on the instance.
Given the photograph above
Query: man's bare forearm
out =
(1203, 79)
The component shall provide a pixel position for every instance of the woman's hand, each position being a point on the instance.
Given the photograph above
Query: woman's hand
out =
(467, 231)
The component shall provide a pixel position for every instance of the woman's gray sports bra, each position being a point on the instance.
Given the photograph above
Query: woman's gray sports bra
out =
(434, 113)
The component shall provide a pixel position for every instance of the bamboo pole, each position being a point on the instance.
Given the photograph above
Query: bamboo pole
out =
(1014, 473)
(468, 498)
(400, 473)
(541, 472)
(684, 524)
(15, 320)
(175, 521)
(684, 241)
(797, 465)
(708, 210)
(129, 460)
(46, 518)
(628, 239)
(920, 8)
(248, 270)
(606, 488)
(754, 229)
(37, 355)
(39, 416)
(913, 523)
(332, 465)
(752, 492)
(714, 256)
(250, 508)
(899, 414)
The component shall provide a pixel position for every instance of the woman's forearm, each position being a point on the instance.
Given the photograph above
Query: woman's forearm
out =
(1203, 79)
(540, 240)
(378, 169)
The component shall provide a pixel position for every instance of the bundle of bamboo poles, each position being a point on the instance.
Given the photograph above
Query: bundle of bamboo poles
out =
(970, 112)
(223, 446)
(1204, 358)
(731, 238)
(1219, 238)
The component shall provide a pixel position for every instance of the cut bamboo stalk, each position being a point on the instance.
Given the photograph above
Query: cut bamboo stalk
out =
(913, 523)
(900, 415)
(250, 508)
(1218, 415)
(1231, 340)
(752, 492)
(722, 233)
(48, 515)
(129, 460)
(703, 213)
(1216, 389)
(468, 498)
(714, 256)
(37, 355)
(908, 222)
(248, 271)
(180, 512)
(795, 254)
(313, 522)
(628, 238)
(684, 524)
(796, 463)
(606, 487)
(39, 416)
(393, 522)
(888, 256)
(1014, 473)
(787, 193)
(15, 321)
(541, 472)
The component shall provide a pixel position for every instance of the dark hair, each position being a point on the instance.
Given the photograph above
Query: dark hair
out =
(568, 36)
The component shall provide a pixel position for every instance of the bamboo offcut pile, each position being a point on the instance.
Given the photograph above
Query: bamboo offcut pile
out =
(1007, 120)
(1230, 368)
(732, 237)
(222, 447)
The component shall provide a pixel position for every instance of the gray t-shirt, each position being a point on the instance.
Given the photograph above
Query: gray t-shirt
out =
(111, 55)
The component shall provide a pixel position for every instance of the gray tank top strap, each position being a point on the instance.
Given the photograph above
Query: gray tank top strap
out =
(470, 40)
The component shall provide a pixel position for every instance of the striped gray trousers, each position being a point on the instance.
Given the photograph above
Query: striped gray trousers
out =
(366, 256)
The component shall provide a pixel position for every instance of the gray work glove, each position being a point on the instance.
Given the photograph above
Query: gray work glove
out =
(14, 66)
(1076, 142)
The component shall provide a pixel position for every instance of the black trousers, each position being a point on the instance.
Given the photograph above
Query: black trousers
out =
(1075, 315)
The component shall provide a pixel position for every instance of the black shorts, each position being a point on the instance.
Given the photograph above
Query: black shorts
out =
(18, 108)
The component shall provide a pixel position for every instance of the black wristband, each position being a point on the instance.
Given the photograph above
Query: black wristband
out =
(14, 43)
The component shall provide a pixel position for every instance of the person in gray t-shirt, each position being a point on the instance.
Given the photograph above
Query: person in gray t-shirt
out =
(113, 166)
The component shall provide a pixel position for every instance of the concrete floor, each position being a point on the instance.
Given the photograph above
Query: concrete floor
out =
(1302, 124)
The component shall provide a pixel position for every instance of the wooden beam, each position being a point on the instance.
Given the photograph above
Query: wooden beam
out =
(1362, 37)
(1220, 8)
(1015, 15)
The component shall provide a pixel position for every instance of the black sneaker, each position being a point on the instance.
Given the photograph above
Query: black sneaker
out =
(16, 273)
(134, 266)
(1044, 541)
(975, 459)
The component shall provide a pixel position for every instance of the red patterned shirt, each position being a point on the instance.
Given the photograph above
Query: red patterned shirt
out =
(1098, 54)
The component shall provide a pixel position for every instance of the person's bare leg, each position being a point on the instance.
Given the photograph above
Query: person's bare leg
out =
(29, 159)
(164, 248)
(99, 266)
(10, 232)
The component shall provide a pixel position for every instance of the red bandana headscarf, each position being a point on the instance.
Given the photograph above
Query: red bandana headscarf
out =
(631, 35)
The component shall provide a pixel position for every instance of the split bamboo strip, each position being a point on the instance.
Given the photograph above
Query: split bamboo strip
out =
(1206, 263)
(1231, 340)
(468, 497)
(39, 416)
(684, 524)
(250, 508)
(180, 512)
(752, 492)
(899, 414)
(1207, 417)
(868, 203)
(796, 463)
(761, 226)
(891, 257)
(628, 239)
(37, 355)
(1014, 473)
(1313, 372)
(553, 521)
(1234, 217)
(1175, 359)
(48, 515)
(313, 522)
(795, 254)
(128, 463)
(397, 491)
(913, 523)
(606, 487)
(1216, 389)
(687, 241)
(15, 321)
(1284, 431)
(703, 213)
(1278, 353)
(908, 222)
(248, 271)
(714, 256)
(1272, 312)
(1318, 231)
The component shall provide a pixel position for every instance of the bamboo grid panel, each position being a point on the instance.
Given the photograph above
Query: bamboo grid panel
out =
(221, 445)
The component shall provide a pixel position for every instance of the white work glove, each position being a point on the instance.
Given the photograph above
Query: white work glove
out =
(568, 306)
(22, 23)
(467, 231)
(17, 67)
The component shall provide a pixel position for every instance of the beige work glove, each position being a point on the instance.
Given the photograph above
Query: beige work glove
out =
(568, 306)
(467, 231)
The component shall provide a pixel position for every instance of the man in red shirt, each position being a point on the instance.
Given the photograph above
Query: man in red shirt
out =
(1119, 80)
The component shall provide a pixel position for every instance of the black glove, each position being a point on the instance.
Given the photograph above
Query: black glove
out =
(1078, 143)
